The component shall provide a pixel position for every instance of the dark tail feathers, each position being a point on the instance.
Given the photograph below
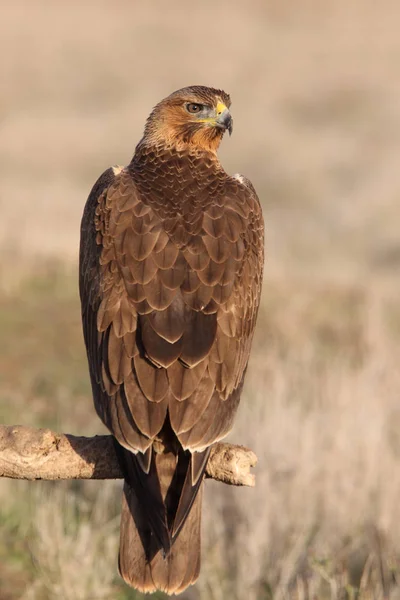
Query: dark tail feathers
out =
(160, 521)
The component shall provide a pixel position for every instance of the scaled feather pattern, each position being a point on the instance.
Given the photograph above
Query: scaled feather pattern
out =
(171, 265)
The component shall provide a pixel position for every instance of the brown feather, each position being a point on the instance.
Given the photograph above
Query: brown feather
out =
(172, 574)
(124, 199)
(220, 348)
(170, 280)
(235, 225)
(198, 260)
(107, 384)
(143, 307)
(127, 432)
(166, 257)
(237, 250)
(157, 349)
(212, 274)
(109, 307)
(170, 323)
(195, 245)
(215, 422)
(227, 323)
(224, 373)
(152, 380)
(136, 292)
(140, 209)
(231, 271)
(198, 338)
(222, 293)
(119, 363)
(193, 480)
(162, 241)
(125, 320)
(198, 465)
(212, 307)
(140, 245)
(218, 248)
(184, 415)
(216, 209)
(129, 341)
(148, 416)
(215, 227)
(158, 295)
(199, 298)
(238, 205)
(183, 380)
(143, 271)
(142, 225)
(191, 282)
(144, 459)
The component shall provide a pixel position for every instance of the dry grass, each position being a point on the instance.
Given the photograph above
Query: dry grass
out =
(76, 556)
(321, 411)
(324, 517)
(317, 128)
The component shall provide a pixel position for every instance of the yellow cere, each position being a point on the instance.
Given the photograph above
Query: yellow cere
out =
(220, 108)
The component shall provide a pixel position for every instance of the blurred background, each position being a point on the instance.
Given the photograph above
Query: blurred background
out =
(316, 105)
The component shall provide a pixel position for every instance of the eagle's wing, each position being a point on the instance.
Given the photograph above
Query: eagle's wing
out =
(169, 313)
(224, 284)
(164, 326)
(114, 263)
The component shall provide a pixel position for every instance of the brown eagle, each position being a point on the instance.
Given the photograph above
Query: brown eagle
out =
(171, 263)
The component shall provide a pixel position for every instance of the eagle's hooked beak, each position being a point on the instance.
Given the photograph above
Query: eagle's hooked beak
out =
(224, 118)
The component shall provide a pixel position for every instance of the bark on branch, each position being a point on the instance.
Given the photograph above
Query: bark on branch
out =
(27, 453)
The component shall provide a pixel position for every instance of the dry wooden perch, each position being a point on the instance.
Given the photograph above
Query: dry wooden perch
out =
(27, 453)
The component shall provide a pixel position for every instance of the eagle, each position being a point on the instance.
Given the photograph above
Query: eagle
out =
(170, 274)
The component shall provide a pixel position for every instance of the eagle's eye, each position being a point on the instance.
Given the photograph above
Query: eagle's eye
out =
(194, 108)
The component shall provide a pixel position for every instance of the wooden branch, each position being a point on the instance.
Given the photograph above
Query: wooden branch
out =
(27, 453)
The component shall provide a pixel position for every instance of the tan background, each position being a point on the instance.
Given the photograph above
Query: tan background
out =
(316, 102)
(316, 106)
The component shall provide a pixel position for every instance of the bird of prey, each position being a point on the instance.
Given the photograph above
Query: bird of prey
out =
(171, 263)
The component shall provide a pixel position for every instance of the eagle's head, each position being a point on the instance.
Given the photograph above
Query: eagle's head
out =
(195, 117)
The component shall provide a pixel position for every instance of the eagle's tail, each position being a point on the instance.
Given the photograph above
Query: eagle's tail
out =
(147, 568)
(160, 521)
